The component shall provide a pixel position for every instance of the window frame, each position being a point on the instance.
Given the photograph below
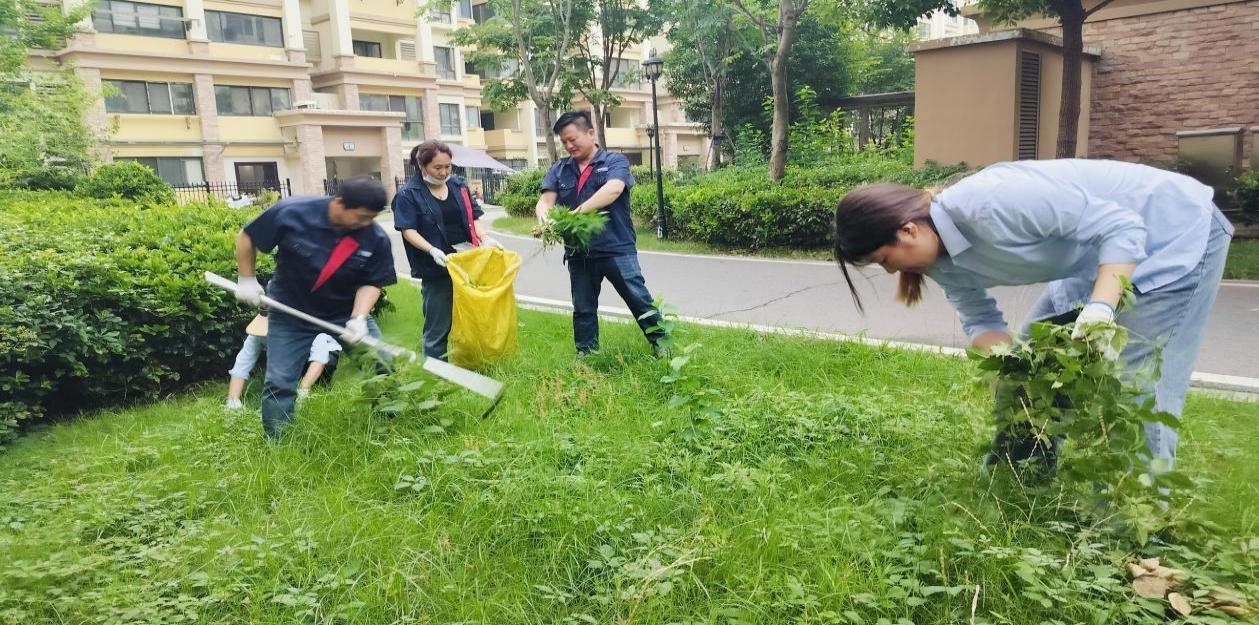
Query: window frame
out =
(253, 93)
(148, 86)
(356, 43)
(102, 16)
(442, 74)
(216, 27)
(442, 107)
(157, 166)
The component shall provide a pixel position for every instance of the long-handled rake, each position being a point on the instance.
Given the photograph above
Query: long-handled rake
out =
(471, 380)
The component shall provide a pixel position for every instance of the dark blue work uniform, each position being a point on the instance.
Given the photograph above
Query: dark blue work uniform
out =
(299, 231)
(612, 253)
(443, 224)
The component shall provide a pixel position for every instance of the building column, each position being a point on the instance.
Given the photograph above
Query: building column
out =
(530, 123)
(391, 167)
(294, 43)
(94, 115)
(424, 40)
(432, 115)
(208, 116)
(312, 164)
(348, 92)
(670, 147)
(342, 40)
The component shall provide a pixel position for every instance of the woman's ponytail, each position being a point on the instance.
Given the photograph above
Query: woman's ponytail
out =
(909, 288)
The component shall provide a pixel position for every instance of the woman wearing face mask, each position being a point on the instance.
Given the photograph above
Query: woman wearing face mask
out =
(1079, 225)
(437, 216)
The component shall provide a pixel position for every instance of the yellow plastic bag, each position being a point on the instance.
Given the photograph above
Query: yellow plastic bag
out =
(483, 318)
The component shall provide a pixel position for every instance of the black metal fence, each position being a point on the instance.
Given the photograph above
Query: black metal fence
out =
(203, 191)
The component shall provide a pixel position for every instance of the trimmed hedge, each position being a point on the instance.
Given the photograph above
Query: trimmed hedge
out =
(1246, 194)
(103, 301)
(740, 207)
(520, 192)
(128, 180)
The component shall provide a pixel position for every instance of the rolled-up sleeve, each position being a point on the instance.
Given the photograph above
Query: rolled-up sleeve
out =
(551, 181)
(1119, 233)
(619, 169)
(403, 211)
(266, 230)
(976, 310)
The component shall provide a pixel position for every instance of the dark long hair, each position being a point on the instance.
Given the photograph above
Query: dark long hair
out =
(424, 153)
(868, 218)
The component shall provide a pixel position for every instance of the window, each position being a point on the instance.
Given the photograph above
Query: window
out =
(247, 29)
(157, 98)
(465, 9)
(439, 16)
(445, 58)
(175, 171)
(412, 124)
(473, 116)
(250, 101)
(482, 12)
(487, 120)
(367, 48)
(628, 73)
(136, 18)
(450, 119)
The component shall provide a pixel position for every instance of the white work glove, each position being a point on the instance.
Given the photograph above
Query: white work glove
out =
(248, 291)
(355, 330)
(491, 242)
(1096, 321)
(439, 256)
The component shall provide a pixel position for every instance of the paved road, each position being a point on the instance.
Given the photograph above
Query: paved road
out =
(812, 296)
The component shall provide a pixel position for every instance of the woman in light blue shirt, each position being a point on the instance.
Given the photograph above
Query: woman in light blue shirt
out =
(1079, 225)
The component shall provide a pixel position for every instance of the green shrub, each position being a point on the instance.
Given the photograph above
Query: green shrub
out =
(128, 180)
(643, 194)
(102, 301)
(520, 192)
(740, 207)
(1246, 194)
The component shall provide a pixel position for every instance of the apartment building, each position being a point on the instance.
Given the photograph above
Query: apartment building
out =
(252, 92)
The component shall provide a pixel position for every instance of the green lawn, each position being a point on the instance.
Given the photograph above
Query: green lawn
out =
(837, 485)
(1243, 260)
(647, 241)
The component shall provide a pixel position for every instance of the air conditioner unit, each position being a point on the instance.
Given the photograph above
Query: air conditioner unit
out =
(306, 104)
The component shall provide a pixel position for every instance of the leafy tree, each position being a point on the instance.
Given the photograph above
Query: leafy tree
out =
(697, 67)
(43, 140)
(617, 25)
(1071, 15)
(529, 42)
(776, 23)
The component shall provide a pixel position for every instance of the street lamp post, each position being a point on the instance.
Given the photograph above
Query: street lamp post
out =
(651, 150)
(651, 69)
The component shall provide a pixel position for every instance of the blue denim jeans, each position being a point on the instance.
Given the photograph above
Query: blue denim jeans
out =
(1165, 329)
(586, 277)
(288, 349)
(438, 300)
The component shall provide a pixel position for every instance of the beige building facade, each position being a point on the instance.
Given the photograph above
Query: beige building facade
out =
(247, 93)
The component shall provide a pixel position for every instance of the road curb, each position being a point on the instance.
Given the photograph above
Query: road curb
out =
(1199, 380)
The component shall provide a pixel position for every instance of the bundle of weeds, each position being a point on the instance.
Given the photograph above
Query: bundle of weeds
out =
(570, 228)
(1067, 391)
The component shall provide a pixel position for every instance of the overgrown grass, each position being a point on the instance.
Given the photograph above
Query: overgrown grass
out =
(647, 241)
(1243, 260)
(837, 485)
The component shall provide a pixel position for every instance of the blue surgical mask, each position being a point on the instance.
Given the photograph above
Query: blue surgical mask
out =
(434, 181)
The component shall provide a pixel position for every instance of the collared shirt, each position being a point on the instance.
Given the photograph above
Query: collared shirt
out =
(1027, 222)
(299, 231)
(618, 236)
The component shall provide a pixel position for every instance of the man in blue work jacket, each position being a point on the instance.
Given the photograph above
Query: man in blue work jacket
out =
(331, 261)
(594, 179)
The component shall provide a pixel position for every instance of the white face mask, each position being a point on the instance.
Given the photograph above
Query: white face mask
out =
(435, 181)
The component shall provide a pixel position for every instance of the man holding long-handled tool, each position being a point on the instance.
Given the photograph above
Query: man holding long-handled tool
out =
(331, 262)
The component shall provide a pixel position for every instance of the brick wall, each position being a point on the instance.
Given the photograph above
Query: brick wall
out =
(1184, 70)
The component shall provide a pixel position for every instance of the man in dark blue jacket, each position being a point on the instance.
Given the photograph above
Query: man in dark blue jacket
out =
(594, 179)
(331, 261)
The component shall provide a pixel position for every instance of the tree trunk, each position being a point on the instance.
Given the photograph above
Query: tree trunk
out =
(782, 103)
(596, 118)
(719, 87)
(545, 110)
(1072, 60)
